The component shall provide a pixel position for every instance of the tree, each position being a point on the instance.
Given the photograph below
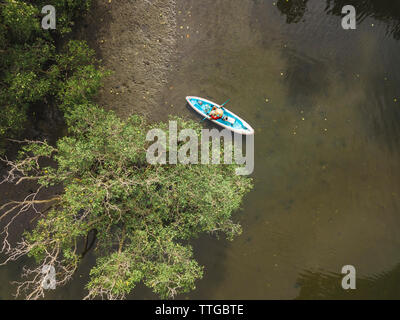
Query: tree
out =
(33, 64)
(144, 215)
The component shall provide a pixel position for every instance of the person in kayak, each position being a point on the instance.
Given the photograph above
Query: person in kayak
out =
(216, 113)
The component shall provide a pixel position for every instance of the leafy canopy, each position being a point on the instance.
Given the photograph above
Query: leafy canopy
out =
(34, 66)
(144, 215)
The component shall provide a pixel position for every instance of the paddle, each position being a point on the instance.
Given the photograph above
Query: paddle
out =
(225, 102)
(220, 106)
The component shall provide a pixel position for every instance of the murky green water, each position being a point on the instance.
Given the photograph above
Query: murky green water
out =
(325, 104)
(327, 165)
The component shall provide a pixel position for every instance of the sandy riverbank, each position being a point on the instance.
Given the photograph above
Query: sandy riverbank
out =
(136, 40)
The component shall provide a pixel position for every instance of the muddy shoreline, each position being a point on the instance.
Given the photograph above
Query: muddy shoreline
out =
(137, 41)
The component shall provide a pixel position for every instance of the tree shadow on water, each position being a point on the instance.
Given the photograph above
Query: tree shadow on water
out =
(209, 252)
(387, 11)
(294, 10)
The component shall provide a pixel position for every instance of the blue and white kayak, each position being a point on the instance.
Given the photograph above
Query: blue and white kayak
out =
(229, 120)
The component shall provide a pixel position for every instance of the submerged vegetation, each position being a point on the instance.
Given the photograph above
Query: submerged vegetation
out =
(143, 216)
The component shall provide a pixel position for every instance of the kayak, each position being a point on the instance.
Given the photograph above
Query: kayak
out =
(228, 121)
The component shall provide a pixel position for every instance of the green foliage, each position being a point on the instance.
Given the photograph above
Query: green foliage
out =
(144, 214)
(32, 70)
(81, 87)
(21, 19)
(68, 12)
(163, 265)
(11, 118)
(77, 54)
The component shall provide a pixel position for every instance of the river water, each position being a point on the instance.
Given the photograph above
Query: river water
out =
(325, 105)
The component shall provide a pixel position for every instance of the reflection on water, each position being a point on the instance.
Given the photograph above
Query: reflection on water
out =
(323, 285)
(294, 10)
(387, 11)
(325, 105)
